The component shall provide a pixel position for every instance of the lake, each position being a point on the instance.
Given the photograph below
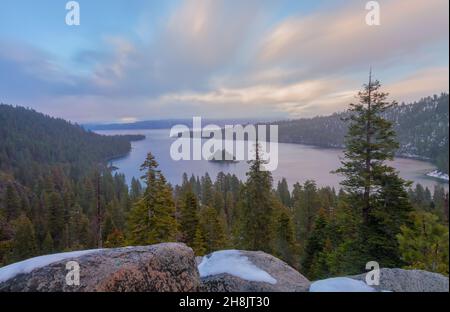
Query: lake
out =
(297, 163)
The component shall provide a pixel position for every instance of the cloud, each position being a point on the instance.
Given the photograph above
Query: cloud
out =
(302, 98)
(340, 40)
(228, 58)
(25, 69)
(423, 83)
(199, 39)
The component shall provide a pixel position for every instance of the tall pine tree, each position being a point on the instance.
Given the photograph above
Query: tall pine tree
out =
(374, 188)
(152, 220)
(256, 230)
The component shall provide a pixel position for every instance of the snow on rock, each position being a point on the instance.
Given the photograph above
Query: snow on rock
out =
(167, 267)
(438, 175)
(340, 284)
(26, 266)
(233, 263)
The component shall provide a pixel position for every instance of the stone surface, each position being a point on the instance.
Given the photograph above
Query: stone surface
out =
(288, 279)
(156, 268)
(398, 280)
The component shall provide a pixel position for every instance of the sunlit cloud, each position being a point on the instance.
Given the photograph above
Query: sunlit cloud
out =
(340, 40)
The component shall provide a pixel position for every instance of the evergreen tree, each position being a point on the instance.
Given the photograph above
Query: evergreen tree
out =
(314, 264)
(24, 242)
(374, 187)
(347, 245)
(136, 189)
(12, 203)
(212, 229)
(79, 231)
(152, 220)
(47, 244)
(198, 244)
(283, 192)
(306, 203)
(256, 220)
(425, 244)
(391, 211)
(284, 245)
(189, 218)
(56, 218)
(207, 194)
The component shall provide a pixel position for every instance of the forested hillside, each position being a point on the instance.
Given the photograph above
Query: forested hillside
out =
(49, 173)
(422, 129)
(30, 140)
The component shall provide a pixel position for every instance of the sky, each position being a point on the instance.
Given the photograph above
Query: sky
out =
(132, 60)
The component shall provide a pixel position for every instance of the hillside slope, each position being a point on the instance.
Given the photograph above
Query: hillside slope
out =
(55, 187)
(30, 138)
(422, 129)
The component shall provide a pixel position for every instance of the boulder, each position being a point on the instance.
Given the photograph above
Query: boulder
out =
(164, 267)
(248, 271)
(399, 280)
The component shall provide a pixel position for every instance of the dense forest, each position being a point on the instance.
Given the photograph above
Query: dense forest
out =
(55, 200)
(50, 171)
(422, 129)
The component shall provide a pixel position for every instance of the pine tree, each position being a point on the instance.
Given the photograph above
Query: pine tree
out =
(47, 244)
(425, 244)
(162, 222)
(138, 224)
(284, 243)
(24, 242)
(391, 211)
(136, 189)
(79, 231)
(306, 203)
(12, 203)
(56, 218)
(375, 189)
(314, 261)
(283, 192)
(256, 219)
(347, 245)
(189, 218)
(207, 195)
(369, 143)
(198, 244)
(212, 229)
(152, 220)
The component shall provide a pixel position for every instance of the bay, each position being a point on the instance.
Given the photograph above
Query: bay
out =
(297, 162)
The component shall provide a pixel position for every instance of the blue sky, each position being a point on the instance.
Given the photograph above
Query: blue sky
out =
(139, 59)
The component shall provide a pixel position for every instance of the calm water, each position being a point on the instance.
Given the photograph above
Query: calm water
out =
(297, 163)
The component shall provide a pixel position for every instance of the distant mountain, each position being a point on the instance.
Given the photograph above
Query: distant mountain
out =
(148, 124)
(168, 123)
(422, 129)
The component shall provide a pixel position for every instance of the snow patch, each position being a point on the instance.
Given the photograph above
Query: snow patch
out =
(340, 284)
(26, 266)
(233, 263)
(437, 174)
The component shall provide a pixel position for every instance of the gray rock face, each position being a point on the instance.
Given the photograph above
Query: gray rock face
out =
(172, 267)
(156, 268)
(288, 279)
(398, 280)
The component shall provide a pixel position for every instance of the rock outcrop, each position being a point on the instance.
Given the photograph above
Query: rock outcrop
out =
(398, 280)
(284, 277)
(172, 267)
(165, 267)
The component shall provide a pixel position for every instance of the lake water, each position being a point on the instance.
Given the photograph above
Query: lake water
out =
(297, 163)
